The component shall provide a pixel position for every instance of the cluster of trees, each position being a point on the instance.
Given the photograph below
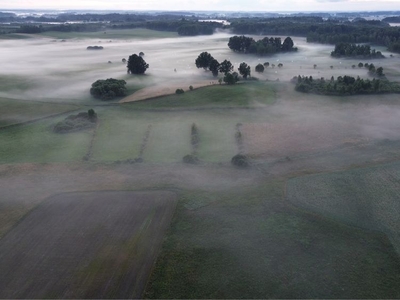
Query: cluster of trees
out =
(353, 50)
(264, 46)
(207, 62)
(108, 89)
(344, 85)
(316, 29)
(77, 122)
(95, 48)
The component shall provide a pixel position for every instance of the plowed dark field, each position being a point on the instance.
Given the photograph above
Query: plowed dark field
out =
(86, 245)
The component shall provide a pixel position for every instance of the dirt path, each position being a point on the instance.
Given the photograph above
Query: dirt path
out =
(164, 89)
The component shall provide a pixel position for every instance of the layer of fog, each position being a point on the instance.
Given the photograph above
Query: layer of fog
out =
(60, 70)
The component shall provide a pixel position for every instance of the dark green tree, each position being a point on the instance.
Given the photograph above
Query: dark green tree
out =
(244, 70)
(260, 68)
(231, 78)
(214, 67)
(226, 67)
(204, 60)
(136, 64)
(287, 44)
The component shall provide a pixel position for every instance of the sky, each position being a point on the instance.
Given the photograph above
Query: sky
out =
(225, 5)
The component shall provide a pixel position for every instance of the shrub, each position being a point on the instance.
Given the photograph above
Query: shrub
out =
(190, 159)
(240, 160)
(191, 87)
(179, 91)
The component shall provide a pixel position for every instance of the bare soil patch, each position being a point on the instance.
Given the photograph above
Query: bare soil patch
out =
(86, 245)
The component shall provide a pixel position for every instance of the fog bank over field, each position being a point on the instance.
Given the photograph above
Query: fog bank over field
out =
(54, 70)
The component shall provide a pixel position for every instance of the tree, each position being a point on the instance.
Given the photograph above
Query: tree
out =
(260, 68)
(244, 70)
(315, 66)
(136, 64)
(280, 65)
(287, 44)
(108, 89)
(124, 60)
(231, 78)
(240, 160)
(214, 67)
(141, 54)
(266, 64)
(225, 67)
(179, 91)
(379, 72)
(360, 65)
(204, 60)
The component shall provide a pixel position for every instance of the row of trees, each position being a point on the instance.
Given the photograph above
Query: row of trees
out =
(207, 62)
(354, 50)
(323, 31)
(344, 85)
(263, 46)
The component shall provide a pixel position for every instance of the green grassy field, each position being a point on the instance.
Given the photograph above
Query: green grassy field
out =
(249, 243)
(13, 36)
(37, 143)
(240, 95)
(137, 33)
(14, 111)
(366, 197)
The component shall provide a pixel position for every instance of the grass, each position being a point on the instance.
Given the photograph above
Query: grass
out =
(14, 111)
(367, 197)
(14, 82)
(248, 243)
(137, 33)
(240, 95)
(13, 36)
(37, 143)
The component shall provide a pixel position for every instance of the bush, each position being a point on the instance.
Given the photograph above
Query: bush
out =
(191, 87)
(190, 159)
(179, 91)
(108, 89)
(77, 122)
(240, 160)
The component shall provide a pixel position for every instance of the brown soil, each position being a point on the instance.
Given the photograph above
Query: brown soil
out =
(86, 245)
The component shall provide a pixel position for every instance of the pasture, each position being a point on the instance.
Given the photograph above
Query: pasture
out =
(266, 231)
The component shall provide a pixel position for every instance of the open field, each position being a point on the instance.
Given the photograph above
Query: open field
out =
(366, 197)
(78, 212)
(136, 33)
(107, 255)
(16, 111)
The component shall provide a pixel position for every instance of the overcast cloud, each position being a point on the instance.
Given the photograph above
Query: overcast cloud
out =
(227, 5)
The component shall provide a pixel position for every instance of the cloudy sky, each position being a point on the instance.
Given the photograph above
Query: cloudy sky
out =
(228, 5)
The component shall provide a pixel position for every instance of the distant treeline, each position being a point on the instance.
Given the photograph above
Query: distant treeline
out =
(331, 31)
(345, 85)
(355, 51)
(183, 26)
(264, 46)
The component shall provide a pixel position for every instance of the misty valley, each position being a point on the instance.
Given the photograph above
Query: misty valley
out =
(171, 159)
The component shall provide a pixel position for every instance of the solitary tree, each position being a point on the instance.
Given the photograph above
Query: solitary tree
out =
(124, 60)
(315, 66)
(280, 65)
(260, 68)
(287, 44)
(136, 64)
(141, 54)
(204, 60)
(360, 65)
(225, 67)
(244, 70)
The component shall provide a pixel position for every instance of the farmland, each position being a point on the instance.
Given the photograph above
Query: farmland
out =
(121, 215)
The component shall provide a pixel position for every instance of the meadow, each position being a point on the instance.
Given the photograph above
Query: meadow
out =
(313, 216)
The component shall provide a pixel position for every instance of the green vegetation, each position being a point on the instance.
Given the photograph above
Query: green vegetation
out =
(248, 242)
(136, 64)
(240, 95)
(264, 46)
(13, 111)
(345, 85)
(356, 51)
(77, 122)
(37, 142)
(108, 89)
(135, 33)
